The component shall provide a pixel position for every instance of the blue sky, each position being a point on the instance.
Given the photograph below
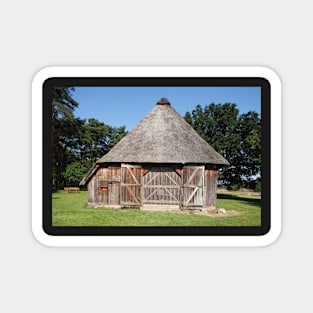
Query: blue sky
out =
(118, 106)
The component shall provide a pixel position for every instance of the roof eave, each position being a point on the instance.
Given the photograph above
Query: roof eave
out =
(89, 174)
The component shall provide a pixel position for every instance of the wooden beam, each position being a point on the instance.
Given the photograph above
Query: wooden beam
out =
(145, 171)
(179, 172)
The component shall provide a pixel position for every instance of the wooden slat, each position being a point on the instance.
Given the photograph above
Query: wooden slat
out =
(134, 195)
(162, 185)
(158, 202)
(196, 189)
(151, 194)
(130, 185)
(133, 176)
(144, 172)
(179, 172)
(194, 172)
(169, 192)
(211, 176)
(170, 178)
(193, 185)
(153, 176)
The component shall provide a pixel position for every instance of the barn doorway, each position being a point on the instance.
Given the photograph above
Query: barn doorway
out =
(161, 186)
(130, 185)
(193, 181)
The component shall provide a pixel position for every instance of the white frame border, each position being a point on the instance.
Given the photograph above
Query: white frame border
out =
(156, 241)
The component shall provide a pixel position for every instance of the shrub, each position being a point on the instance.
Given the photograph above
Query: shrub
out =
(257, 187)
(234, 187)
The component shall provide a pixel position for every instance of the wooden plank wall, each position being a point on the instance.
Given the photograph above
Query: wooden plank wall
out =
(161, 185)
(131, 185)
(193, 183)
(104, 187)
(210, 187)
(91, 190)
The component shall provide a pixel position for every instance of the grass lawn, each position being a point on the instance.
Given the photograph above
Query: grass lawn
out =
(70, 209)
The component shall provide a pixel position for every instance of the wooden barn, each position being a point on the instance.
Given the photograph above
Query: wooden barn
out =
(161, 164)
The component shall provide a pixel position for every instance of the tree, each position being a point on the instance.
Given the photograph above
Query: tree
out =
(236, 137)
(95, 139)
(76, 143)
(63, 129)
(75, 172)
(250, 152)
(63, 103)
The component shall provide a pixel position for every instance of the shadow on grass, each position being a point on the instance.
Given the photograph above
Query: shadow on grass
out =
(250, 201)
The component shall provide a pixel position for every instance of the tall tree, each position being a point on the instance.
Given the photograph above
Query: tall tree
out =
(236, 137)
(96, 139)
(63, 127)
(76, 143)
(250, 152)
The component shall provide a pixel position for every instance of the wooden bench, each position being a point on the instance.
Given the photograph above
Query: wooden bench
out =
(72, 189)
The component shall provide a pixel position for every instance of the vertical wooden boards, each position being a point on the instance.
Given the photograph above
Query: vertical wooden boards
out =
(193, 183)
(161, 185)
(128, 185)
(131, 185)
(114, 186)
(211, 176)
(91, 191)
(104, 187)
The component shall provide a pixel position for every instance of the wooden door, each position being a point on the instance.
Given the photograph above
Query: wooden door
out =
(193, 179)
(130, 185)
(161, 185)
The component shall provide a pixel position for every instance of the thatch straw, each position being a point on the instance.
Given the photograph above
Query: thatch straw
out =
(163, 136)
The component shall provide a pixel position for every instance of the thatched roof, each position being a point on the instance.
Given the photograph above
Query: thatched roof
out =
(163, 136)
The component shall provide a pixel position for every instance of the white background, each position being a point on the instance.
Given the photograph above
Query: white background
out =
(36, 34)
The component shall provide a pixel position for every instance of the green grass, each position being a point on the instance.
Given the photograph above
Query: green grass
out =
(70, 209)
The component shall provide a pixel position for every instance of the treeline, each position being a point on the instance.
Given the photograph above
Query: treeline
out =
(237, 137)
(76, 143)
